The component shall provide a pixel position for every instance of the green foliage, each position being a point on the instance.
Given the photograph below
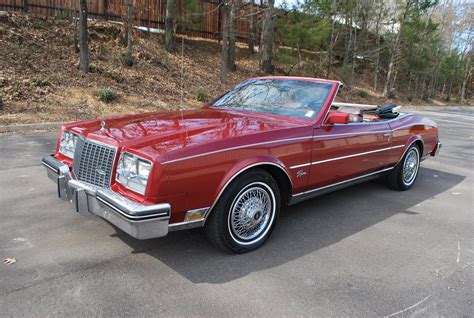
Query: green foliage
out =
(286, 57)
(391, 95)
(200, 94)
(425, 96)
(38, 82)
(192, 15)
(363, 94)
(410, 98)
(346, 74)
(106, 95)
(422, 57)
(300, 30)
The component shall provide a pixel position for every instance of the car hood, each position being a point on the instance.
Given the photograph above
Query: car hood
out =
(154, 134)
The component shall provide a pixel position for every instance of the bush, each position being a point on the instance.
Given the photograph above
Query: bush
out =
(200, 94)
(285, 57)
(391, 95)
(39, 82)
(363, 94)
(410, 98)
(107, 95)
(346, 73)
(425, 96)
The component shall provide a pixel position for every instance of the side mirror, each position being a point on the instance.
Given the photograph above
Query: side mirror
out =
(337, 118)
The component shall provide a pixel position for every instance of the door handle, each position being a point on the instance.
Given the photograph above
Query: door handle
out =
(389, 135)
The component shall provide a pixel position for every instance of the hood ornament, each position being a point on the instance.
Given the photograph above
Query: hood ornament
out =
(102, 122)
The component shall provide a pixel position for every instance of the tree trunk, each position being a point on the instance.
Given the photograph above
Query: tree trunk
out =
(377, 60)
(466, 78)
(232, 36)
(253, 27)
(393, 56)
(348, 23)
(417, 80)
(128, 58)
(266, 64)
(225, 40)
(76, 29)
(396, 49)
(169, 28)
(448, 98)
(331, 44)
(83, 45)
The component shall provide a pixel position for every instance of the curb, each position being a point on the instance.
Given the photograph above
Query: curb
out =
(29, 127)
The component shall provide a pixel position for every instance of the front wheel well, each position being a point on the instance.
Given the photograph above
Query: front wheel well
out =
(281, 178)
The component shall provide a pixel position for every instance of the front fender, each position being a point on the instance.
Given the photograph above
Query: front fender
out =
(244, 165)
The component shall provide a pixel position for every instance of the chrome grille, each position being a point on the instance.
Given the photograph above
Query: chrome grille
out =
(93, 162)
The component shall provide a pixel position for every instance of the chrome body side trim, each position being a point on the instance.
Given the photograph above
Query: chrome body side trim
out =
(301, 165)
(237, 147)
(345, 157)
(354, 155)
(353, 134)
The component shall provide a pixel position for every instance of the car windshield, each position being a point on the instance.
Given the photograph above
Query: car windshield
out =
(294, 98)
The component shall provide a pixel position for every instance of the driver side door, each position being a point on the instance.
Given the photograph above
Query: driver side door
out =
(341, 152)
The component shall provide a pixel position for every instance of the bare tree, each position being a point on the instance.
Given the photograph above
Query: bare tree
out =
(128, 23)
(395, 51)
(332, 42)
(169, 27)
(380, 13)
(253, 27)
(83, 44)
(466, 78)
(266, 62)
(75, 19)
(232, 36)
(225, 40)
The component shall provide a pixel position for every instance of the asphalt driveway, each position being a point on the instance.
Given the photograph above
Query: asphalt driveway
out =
(363, 251)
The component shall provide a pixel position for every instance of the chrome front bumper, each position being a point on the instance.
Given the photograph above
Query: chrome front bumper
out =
(139, 221)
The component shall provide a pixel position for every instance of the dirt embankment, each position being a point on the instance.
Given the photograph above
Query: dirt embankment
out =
(40, 80)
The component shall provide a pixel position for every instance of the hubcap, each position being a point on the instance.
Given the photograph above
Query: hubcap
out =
(251, 213)
(410, 166)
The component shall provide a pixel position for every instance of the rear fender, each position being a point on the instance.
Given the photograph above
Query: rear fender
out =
(410, 142)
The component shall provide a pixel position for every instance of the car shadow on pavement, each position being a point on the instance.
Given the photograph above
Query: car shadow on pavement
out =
(301, 229)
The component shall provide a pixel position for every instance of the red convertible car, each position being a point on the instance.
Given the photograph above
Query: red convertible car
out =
(229, 166)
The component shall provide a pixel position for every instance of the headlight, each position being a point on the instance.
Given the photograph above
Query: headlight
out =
(133, 172)
(67, 145)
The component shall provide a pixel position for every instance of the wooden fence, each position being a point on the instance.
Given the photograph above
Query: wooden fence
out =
(201, 19)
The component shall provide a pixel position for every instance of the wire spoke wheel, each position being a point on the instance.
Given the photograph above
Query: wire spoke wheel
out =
(410, 166)
(251, 213)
